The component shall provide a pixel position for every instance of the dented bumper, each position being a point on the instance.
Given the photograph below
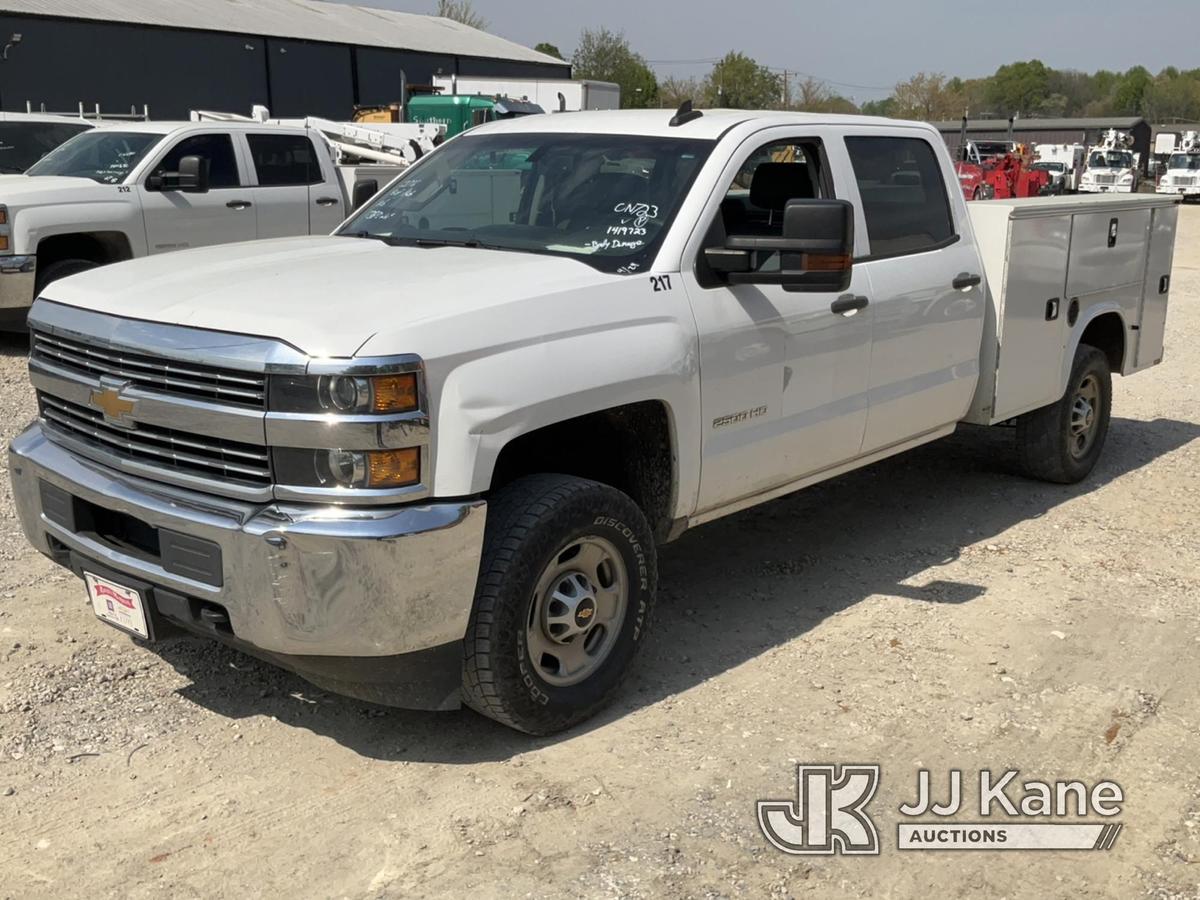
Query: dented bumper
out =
(285, 579)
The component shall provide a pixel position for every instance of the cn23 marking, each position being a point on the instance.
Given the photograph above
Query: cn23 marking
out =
(661, 282)
(744, 416)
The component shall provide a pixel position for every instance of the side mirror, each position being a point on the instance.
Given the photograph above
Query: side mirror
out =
(363, 191)
(192, 177)
(816, 250)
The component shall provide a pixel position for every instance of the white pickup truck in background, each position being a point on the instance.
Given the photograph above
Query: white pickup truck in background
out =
(27, 137)
(123, 191)
(428, 459)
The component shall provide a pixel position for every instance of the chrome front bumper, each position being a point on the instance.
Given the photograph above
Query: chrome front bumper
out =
(295, 579)
(17, 274)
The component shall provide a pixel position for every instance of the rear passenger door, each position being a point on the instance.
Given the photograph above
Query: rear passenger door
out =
(926, 332)
(291, 195)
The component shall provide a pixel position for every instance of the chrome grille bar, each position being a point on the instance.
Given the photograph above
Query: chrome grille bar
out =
(160, 446)
(152, 373)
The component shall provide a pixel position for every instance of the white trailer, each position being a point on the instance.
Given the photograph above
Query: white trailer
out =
(551, 94)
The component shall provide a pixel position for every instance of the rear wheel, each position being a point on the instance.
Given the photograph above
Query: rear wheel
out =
(563, 601)
(1062, 442)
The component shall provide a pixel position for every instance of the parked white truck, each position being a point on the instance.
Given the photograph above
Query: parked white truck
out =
(27, 137)
(144, 188)
(1111, 166)
(429, 459)
(1182, 176)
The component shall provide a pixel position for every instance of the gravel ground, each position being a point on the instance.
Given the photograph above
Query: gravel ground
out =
(933, 611)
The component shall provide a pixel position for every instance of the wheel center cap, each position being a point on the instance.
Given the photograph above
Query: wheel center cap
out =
(585, 611)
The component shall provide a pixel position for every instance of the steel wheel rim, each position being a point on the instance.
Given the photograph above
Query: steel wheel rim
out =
(577, 610)
(1085, 416)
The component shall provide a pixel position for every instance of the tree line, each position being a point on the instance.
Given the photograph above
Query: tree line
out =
(1029, 89)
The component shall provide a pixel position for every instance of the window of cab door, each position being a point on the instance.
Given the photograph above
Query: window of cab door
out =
(749, 207)
(903, 196)
(216, 147)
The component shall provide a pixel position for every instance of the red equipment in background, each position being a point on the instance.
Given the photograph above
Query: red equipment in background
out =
(997, 169)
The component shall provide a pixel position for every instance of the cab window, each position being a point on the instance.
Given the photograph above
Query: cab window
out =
(216, 148)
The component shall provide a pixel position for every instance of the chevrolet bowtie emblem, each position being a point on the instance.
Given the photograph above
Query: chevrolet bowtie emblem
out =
(116, 408)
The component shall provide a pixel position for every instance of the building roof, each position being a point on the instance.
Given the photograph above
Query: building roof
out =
(309, 20)
(1086, 124)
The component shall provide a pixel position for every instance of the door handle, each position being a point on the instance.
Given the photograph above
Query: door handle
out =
(327, 201)
(848, 304)
(239, 204)
(966, 280)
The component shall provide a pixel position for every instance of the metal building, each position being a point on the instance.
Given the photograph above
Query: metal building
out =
(299, 57)
(1051, 131)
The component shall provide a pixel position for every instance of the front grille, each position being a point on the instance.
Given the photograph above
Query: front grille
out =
(1185, 180)
(1106, 179)
(163, 447)
(152, 373)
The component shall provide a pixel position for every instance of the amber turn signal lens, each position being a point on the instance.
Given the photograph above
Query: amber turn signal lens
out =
(394, 393)
(393, 468)
(826, 262)
(3, 241)
(3, 216)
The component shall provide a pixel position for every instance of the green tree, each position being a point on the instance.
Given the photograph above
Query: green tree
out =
(1129, 99)
(884, 107)
(461, 11)
(605, 55)
(549, 49)
(1018, 88)
(928, 97)
(738, 82)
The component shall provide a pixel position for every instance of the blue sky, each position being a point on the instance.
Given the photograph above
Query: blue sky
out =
(866, 47)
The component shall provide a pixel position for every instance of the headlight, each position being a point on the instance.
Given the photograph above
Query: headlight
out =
(348, 469)
(1126, 178)
(345, 394)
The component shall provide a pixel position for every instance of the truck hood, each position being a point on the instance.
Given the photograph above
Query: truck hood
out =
(326, 296)
(17, 191)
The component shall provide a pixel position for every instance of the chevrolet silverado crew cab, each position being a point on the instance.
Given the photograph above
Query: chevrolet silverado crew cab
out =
(143, 188)
(428, 459)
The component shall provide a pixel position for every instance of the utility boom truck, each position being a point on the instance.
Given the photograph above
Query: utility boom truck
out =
(1111, 166)
(1183, 168)
(428, 459)
(144, 188)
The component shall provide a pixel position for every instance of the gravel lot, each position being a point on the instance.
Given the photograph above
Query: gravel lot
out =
(934, 611)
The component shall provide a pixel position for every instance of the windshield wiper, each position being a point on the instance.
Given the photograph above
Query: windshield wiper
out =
(370, 235)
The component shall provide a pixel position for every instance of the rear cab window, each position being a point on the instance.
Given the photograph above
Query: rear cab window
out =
(282, 160)
(904, 200)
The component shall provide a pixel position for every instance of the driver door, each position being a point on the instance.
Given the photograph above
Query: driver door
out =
(784, 375)
(177, 220)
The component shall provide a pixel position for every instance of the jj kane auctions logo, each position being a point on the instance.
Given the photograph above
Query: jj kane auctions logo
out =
(829, 814)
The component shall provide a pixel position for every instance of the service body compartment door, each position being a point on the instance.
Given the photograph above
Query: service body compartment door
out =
(1155, 290)
(1032, 326)
(1108, 259)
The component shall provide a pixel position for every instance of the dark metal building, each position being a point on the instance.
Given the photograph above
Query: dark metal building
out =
(1051, 131)
(298, 57)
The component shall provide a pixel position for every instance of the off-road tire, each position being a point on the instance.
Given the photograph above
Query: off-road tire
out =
(530, 523)
(1044, 436)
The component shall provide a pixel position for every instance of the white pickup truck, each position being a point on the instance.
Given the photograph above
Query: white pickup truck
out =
(429, 459)
(139, 189)
(27, 137)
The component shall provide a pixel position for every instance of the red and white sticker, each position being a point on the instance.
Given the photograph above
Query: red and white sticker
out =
(116, 604)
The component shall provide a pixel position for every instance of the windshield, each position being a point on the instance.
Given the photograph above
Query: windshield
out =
(991, 148)
(1113, 159)
(24, 143)
(606, 200)
(101, 155)
(1049, 167)
(1184, 161)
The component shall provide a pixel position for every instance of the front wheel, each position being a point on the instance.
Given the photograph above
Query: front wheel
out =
(563, 602)
(1062, 442)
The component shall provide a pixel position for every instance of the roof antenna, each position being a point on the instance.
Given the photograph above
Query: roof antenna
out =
(684, 114)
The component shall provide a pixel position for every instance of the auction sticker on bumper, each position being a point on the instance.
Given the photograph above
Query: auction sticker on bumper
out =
(117, 604)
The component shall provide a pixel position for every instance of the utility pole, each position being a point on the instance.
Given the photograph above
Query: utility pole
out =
(786, 105)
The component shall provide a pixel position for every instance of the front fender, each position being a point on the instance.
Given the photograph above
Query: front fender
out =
(34, 224)
(487, 401)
